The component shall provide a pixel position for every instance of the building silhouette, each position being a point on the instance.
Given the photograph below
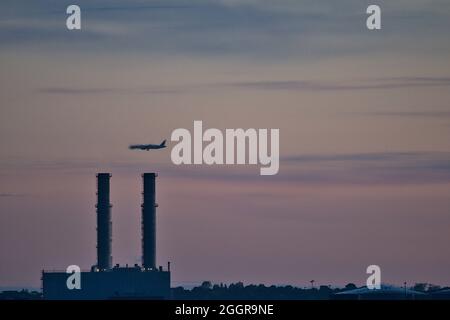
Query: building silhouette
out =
(386, 292)
(103, 281)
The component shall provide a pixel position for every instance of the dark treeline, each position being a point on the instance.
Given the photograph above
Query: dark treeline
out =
(20, 295)
(207, 291)
(237, 291)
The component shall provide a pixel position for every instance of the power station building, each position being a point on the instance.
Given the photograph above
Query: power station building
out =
(104, 281)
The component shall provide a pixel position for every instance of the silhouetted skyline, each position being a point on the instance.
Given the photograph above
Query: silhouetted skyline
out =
(364, 124)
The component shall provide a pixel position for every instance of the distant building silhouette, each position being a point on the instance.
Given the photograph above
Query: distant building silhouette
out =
(386, 292)
(441, 294)
(105, 282)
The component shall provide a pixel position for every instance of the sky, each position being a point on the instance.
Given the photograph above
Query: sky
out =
(364, 119)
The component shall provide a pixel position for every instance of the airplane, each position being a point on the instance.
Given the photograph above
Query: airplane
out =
(148, 147)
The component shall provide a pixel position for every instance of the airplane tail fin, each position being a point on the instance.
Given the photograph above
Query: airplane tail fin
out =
(163, 144)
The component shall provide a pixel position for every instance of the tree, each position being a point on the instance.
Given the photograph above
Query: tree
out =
(350, 286)
(206, 285)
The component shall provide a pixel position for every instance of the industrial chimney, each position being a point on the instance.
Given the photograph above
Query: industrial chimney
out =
(104, 258)
(149, 222)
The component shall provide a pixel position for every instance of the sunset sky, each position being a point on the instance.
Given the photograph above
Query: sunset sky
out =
(364, 119)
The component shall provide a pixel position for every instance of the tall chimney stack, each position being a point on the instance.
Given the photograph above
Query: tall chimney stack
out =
(149, 222)
(104, 258)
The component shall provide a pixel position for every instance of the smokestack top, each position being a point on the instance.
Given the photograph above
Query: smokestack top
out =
(149, 174)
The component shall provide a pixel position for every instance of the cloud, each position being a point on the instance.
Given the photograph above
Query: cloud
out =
(424, 114)
(375, 156)
(259, 29)
(373, 168)
(96, 91)
(276, 85)
(137, 7)
(371, 84)
(11, 195)
(422, 79)
(377, 168)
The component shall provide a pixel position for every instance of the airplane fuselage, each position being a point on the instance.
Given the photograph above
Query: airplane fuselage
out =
(148, 147)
